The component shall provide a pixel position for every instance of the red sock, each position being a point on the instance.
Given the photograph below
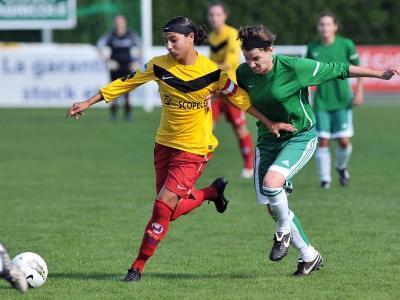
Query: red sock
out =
(199, 196)
(155, 230)
(246, 146)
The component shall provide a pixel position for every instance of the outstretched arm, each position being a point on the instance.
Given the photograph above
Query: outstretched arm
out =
(355, 71)
(274, 127)
(113, 90)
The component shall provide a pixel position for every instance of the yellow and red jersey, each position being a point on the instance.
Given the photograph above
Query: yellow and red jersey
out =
(186, 121)
(225, 49)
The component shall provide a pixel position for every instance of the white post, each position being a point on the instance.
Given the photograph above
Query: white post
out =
(47, 35)
(147, 43)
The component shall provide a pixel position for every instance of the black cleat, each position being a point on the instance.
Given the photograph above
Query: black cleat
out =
(280, 247)
(344, 176)
(288, 187)
(221, 203)
(11, 272)
(325, 184)
(133, 275)
(305, 268)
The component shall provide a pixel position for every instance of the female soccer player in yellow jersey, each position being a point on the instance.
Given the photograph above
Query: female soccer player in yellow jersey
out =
(278, 88)
(225, 51)
(184, 141)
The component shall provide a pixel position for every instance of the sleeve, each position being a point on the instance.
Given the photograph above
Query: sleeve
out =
(239, 79)
(127, 83)
(311, 72)
(236, 95)
(352, 54)
(104, 40)
(233, 52)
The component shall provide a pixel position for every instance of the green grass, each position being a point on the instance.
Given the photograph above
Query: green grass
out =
(80, 194)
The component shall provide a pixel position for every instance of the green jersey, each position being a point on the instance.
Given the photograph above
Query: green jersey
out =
(334, 94)
(282, 93)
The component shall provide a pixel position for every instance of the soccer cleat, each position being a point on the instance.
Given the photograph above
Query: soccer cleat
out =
(11, 272)
(133, 275)
(305, 268)
(288, 187)
(280, 247)
(325, 184)
(221, 203)
(247, 173)
(344, 176)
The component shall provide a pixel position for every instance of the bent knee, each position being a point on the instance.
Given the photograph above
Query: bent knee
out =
(274, 179)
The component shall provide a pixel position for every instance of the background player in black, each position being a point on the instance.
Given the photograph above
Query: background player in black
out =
(120, 62)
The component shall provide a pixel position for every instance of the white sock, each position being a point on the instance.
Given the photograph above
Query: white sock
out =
(279, 206)
(299, 240)
(323, 157)
(343, 156)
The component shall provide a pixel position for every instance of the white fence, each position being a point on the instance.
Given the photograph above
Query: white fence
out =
(51, 75)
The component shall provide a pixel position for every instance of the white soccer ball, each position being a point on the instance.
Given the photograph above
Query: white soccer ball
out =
(33, 266)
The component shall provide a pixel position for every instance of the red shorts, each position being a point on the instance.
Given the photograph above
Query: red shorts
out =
(233, 115)
(177, 170)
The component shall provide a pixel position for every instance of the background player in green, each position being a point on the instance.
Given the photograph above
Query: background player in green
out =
(278, 88)
(333, 100)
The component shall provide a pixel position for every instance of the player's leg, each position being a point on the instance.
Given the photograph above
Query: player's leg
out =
(161, 215)
(237, 118)
(128, 108)
(216, 108)
(294, 155)
(11, 272)
(343, 131)
(179, 170)
(323, 155)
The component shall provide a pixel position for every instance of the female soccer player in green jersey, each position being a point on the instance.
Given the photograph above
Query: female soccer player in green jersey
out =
(333, 100)
(278, 88)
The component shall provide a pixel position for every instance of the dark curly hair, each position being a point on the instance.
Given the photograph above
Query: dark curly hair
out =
(256, 32)
(200, 31)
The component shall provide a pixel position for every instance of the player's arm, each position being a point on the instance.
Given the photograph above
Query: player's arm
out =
(310, 72)
(232, 94)
(113, 90)
(354, 59)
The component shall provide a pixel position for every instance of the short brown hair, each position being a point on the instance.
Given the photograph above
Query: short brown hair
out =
(328, 13)
(256, 32)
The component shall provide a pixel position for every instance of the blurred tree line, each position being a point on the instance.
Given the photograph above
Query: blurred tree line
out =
(365, 21)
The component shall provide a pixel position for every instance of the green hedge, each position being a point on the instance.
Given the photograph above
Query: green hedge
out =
(365, 21)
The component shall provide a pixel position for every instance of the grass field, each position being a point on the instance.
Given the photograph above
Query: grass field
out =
(80, 194)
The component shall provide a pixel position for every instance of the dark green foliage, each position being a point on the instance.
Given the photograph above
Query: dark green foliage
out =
(366, 22)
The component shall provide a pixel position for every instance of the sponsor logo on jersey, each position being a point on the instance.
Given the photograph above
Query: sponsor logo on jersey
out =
(184, 104)
(157, 228)
(285, 162)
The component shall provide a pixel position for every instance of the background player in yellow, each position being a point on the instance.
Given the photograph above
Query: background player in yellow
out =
(225, 51)
(333, 100)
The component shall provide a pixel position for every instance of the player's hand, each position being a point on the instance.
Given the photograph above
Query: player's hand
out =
(77, 110)
(358, 100)
(276, 127)
(388, 74)
(212, 97)
(112, 65)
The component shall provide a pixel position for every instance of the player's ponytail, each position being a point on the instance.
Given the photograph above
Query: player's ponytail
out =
(201, 35)
(184, 25)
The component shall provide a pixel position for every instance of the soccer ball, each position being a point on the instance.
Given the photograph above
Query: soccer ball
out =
(34, 268)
